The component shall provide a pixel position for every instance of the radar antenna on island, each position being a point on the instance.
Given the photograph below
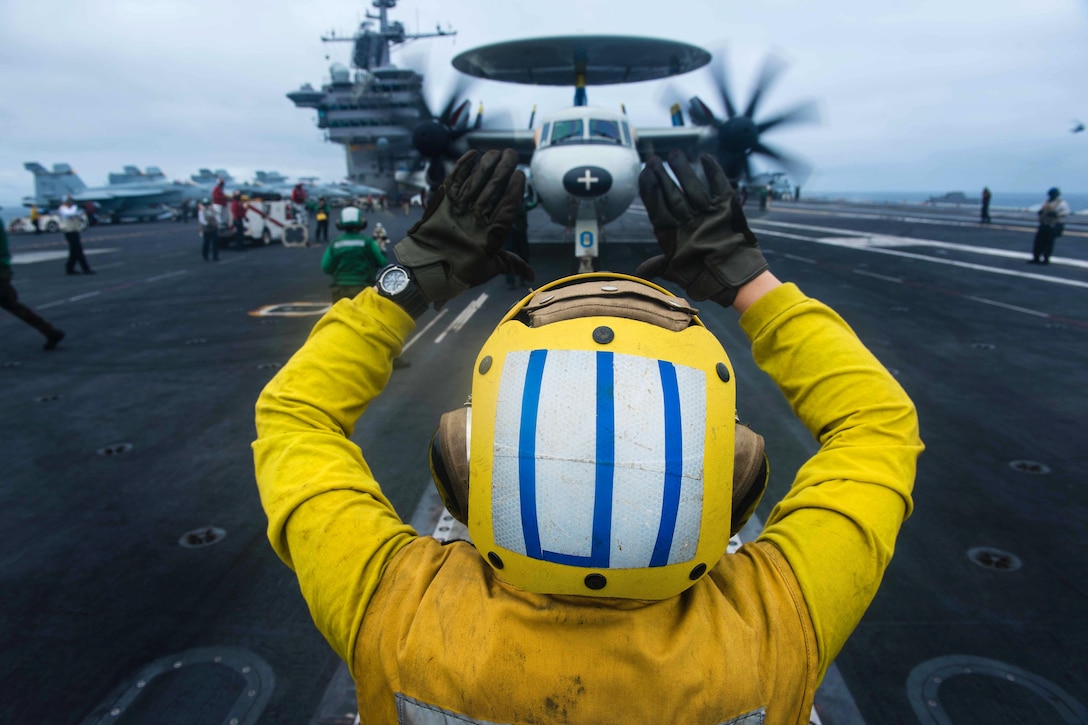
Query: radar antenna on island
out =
(371, 112)
(372, 47)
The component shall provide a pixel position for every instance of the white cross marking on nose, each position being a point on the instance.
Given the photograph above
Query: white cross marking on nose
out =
(587, 180)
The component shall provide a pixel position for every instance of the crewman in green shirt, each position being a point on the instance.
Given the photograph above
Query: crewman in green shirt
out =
(353, 259)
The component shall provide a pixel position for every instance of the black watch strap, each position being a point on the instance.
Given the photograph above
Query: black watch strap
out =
(410, 298)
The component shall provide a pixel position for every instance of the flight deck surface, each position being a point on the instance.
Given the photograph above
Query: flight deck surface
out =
(132, 541)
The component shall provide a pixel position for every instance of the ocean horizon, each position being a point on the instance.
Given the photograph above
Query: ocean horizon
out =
(1078, 202)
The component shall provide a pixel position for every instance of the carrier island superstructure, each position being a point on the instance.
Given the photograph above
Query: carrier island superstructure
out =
(371, 108)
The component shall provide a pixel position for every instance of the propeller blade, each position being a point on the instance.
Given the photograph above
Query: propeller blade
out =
(436, 173)
(418, 62)
(459, 119)
(669, 97)
(805, 113)
(772, 68)
(733, 164)
(747, 166)
(459, 88)
(717, 70)
(798, 169)
(700, 113)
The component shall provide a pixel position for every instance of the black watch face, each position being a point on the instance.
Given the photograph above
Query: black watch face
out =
(394, 281)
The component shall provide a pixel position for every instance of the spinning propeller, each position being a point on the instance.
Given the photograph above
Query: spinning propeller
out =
(740, 134)
(435, 136)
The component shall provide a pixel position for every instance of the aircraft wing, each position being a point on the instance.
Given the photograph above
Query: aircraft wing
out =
(692, 140)
(521, 140)
(123, 193)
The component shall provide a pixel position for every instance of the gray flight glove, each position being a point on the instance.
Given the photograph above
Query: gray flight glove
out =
(708, 248)
(458, 242)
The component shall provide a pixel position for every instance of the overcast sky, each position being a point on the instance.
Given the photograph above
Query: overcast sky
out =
(917, 95)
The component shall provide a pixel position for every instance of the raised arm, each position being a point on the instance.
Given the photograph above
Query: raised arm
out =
(327, 517)
(837, 525)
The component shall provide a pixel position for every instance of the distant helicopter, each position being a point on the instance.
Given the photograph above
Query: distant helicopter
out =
(1078, 126)
(584, 161)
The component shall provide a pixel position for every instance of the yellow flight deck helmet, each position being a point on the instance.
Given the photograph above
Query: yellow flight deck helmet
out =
(602, 444)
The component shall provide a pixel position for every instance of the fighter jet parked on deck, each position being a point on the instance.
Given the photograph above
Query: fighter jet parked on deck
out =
(206, 179)
(144, 200)
(153, 178)
(342, 191)
(133, 175)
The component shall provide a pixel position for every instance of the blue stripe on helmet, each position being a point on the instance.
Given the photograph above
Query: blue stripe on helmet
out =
(530, 404)
(674, 464)
(605, 464)
(606, 461)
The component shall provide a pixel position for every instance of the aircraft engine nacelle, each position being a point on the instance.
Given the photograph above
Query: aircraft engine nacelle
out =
(431, 138)
(738, 135)
(573, 177)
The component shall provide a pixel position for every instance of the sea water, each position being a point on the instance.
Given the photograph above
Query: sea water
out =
(1001, 200)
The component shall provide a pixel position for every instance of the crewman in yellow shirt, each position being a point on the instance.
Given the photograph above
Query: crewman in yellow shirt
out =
(600, 469)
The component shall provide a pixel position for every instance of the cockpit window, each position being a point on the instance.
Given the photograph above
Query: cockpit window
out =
(547, 129)
(566, 131)
(600, 130)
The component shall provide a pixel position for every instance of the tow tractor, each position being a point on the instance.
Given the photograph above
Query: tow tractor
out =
(268, 221)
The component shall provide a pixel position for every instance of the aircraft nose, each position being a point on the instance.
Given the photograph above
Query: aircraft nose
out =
(587, 181)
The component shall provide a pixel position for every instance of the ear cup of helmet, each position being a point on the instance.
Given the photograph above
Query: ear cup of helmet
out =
(449, 461)
(750, 475)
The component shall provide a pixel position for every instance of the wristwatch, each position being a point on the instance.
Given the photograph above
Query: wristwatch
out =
(395, 282)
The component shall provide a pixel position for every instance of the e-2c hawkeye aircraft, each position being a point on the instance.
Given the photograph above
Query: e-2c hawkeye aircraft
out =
(584, 161)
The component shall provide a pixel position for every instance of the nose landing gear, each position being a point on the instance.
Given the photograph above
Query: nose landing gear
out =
(587, 233)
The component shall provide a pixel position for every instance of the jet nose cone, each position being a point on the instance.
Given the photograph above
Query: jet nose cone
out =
(587, 181)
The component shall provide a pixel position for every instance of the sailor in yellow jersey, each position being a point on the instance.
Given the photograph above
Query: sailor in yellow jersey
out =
(600, 470)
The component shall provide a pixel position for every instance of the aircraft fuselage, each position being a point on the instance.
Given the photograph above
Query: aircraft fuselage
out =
(585, 165)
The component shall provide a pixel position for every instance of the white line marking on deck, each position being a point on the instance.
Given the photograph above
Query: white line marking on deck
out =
(860, 239)
(880, 245)
(125, 285)
(50, 256)
(168, 275)
(1025, 310)
(884, 277)
(423, 332)
(461, 319)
